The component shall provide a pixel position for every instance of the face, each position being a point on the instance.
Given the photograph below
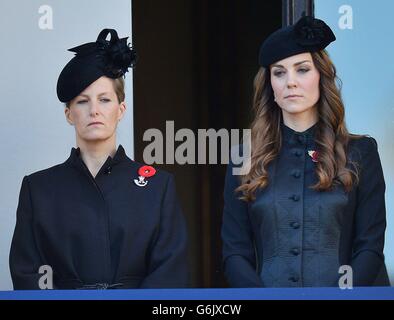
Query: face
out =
(295, 82)
(95, 112)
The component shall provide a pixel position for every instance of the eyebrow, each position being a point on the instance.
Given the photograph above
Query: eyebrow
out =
(86, 96)
(295, 64)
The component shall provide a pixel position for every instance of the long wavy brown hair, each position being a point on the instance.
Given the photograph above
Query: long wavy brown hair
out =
(331, 136)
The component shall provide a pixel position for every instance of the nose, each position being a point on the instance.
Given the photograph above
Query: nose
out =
(291, 80)
(94, 111)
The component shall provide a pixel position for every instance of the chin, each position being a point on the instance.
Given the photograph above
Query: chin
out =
(294, 109)
(95, 137)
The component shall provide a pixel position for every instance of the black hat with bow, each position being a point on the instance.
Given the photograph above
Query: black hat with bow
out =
(111, 58)
(307, 35)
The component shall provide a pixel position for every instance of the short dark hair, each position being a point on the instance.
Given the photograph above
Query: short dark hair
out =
(119, 85)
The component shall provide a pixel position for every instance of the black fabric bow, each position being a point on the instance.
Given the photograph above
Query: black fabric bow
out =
(312, 32)
(116, 54)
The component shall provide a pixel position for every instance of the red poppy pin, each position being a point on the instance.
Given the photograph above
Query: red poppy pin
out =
(144, 172)
(314, 155)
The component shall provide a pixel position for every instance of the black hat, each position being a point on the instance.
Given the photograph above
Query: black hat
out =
(307, 35)
(93, 60)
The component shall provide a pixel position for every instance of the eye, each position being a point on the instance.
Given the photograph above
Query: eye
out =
(105, 100)
(278, 73)
(303, 70)
(82, 101)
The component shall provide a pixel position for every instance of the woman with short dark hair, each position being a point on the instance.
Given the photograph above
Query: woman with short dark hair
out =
(99, 220)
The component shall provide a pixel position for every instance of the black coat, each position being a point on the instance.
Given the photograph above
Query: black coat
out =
(104, 230)
(293, 236)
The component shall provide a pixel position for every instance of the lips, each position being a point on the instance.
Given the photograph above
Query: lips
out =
(95, 123)
(293, 96)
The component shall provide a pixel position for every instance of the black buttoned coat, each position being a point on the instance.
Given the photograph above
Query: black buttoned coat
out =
(293, 236)
(99, 232)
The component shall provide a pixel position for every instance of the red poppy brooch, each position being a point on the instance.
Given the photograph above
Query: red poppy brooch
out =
(314, 155)
(143, 173)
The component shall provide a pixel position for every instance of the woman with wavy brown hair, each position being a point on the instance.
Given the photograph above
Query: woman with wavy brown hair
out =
(313, 199)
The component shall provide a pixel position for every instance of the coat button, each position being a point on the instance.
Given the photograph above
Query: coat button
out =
(295, 225)
(301, 139)
(295, 197)
(295, 251)
(296, 174)
(297, 153)
(294, 279)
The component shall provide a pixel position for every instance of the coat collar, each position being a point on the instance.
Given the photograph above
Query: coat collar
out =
(76, 160)
(292, 137)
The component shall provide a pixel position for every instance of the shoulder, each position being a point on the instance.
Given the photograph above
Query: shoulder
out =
(364, 157)
(238, 165)
(45, 173)
(361, 147)
(239, 154)
(362, 142)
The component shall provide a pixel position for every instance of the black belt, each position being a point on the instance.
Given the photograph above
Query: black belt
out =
(101, 286)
